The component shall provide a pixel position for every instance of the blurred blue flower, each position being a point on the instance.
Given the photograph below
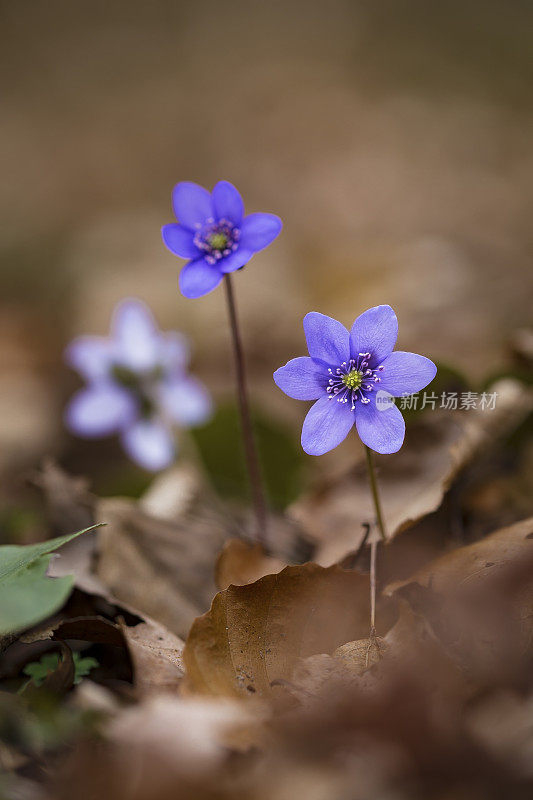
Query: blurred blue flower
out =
(137, 386)
(353, 377)
(214, 234)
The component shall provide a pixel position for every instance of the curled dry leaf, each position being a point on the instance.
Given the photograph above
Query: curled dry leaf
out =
(156, 656)
(254, 635)
(69, 503)
(163, 568)
(356, 657)
(316, 675)
(477, 562)
(478, 602)
(154, 652)
(58, 680)
(242, 562)
(413, 648)
(413, 482)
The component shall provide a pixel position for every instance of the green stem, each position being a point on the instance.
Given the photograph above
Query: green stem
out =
(375, 493)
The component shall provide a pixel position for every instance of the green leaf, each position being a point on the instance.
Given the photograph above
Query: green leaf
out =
(38, 670)
(83, 666)
(27, 595)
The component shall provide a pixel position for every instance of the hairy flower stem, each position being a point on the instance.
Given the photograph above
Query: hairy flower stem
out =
(252, 462)
(375, 493)
(373, 554)
(374, 544)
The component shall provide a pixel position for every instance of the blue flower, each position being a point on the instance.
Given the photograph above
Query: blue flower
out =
(353, 377)
(214, 234)
(137, 386)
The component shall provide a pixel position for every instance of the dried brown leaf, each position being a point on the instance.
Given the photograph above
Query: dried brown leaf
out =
(58, 680)
(163, 568)
(241, 562)
(255, 634)
(96, 630)
(156, 656)
(478, 602)
(358, 656)
(315, 676)
(155, 653)
(474, 563)
(69, 503)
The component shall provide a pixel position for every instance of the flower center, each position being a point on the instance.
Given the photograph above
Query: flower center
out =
(217, 239)
(140, 385)
(354, 380)
(124, 376)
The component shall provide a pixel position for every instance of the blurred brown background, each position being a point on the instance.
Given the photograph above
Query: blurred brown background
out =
(393, 138)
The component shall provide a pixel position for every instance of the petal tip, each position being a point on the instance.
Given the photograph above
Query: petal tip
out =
(278, 377)
(202, 284)
(311, 315)
(388, 450)
(224, 183)
(310, 450)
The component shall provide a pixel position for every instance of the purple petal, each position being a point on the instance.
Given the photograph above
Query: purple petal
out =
(192, 204)
(91, 356)
(136, 335)
(100, 410)
(150, 444)
(326, 425)
(179, 240)
(186, 401)
(198, 278)
(258, 230)
(302, 379)
(381, 430)
(236, 260)
(326, 338)
(174, 351)
(375, 332)
(227, 203)
(406, 373)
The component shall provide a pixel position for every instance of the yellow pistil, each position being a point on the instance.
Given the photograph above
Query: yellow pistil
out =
(218, 241)
(353, 379)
